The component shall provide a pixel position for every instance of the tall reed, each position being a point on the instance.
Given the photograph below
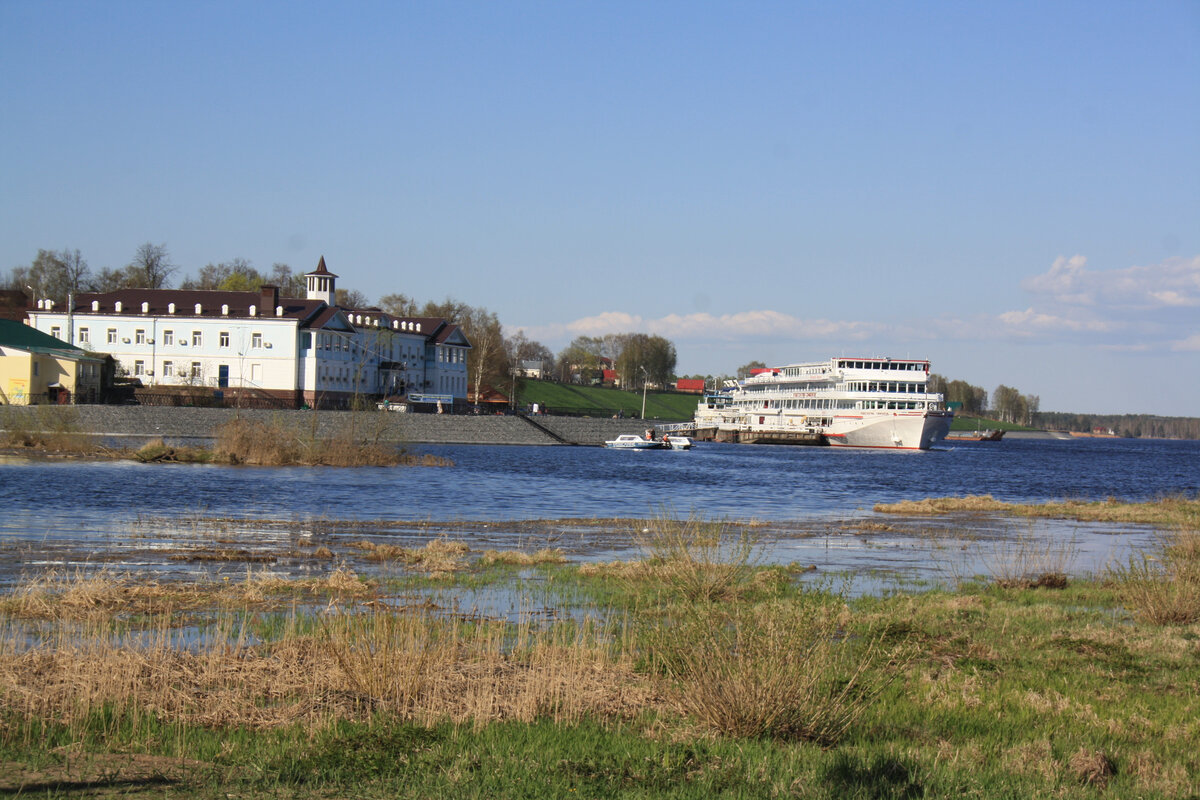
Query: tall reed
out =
(696, 558)
(244, 441)
(1162, 585)
(783, 667)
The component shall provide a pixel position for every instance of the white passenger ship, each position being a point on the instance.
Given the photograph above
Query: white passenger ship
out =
(844, 402)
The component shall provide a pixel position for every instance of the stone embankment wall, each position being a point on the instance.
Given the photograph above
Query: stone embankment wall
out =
(188, 423)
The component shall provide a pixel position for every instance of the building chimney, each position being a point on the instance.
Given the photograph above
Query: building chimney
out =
(269, 296)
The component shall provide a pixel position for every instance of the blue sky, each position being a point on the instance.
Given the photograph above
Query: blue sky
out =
(1009, 189)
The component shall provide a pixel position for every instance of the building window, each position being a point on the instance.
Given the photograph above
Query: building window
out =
(168, 369)
(256, 340)
(224, 338)
(139, 368)
(56, 331)
(168, 337)
(195, 369)
(35, 368)
(83, 336)
(112, 335)
(139, 336)
(197, 339)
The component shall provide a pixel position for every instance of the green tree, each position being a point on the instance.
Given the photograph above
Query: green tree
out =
(487, 361)
(580, 358)
(745, 370)
(645, 358)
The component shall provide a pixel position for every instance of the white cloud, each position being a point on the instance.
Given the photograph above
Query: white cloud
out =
(1173, 283)
(1066, 281)
(1030, 322)
(725, 327)
(1190, 345)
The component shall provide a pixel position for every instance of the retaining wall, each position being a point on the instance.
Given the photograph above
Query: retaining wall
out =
(185, 423)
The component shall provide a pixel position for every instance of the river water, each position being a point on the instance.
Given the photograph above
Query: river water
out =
(815, 503)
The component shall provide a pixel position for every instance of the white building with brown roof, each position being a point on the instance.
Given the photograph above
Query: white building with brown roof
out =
(297, 351)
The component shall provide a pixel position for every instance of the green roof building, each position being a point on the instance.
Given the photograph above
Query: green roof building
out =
(37, 368)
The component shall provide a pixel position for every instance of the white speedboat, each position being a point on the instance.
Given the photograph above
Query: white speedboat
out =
(673, 442)
(629, 441)
(843, 402)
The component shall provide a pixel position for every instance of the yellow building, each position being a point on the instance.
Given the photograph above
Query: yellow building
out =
(37, 368)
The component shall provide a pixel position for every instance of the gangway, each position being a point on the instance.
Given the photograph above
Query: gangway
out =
(676, 427)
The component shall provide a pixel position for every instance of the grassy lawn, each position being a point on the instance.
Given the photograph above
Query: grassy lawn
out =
(965, 422)
(691, 673)
(605, 402)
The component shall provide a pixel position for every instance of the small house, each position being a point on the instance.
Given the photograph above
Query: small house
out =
(36, 368)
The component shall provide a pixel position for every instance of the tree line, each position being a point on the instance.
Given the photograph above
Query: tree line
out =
(1007, 404)
(1134, 426)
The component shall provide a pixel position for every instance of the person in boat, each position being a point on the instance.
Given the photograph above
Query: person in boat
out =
(650, 434)
(666, 439)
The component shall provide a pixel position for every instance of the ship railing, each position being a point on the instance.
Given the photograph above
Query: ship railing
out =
(676, 427)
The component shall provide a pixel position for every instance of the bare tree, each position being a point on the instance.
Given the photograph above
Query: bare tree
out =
(52, 275)
(398, 305)
(152, 266)
(351, 298)
(75, 269)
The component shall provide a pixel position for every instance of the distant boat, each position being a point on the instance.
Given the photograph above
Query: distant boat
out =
(989, 435)
(629, 441)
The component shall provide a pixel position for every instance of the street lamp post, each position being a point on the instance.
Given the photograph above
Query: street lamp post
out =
(645, 377)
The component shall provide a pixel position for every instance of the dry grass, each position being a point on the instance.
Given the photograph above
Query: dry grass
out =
(695, 558)
(1162, 586)
(438, 558)
(943, 505)
(156, 450)
(64, 596)
(59, 595)
(242, 441)
(1172, 511)
(409, 664)
(49, 428)
(1025, 561)
(518, 558)
(1091, 767)
(784, 670)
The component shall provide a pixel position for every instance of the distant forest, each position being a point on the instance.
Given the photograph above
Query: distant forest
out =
(1009, 405)
(1133, 425)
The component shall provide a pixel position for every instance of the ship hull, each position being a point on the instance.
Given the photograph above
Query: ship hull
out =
(896, 432)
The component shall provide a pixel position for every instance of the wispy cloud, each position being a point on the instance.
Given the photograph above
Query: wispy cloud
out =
(1135, 309)
(724, 327)
(1191, 344)
(1170, 284)
(1036, 323)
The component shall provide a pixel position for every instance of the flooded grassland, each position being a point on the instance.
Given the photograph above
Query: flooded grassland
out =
(675, 656)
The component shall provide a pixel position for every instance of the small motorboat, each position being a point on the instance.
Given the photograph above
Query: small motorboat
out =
(629, 441)
(677, 442)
